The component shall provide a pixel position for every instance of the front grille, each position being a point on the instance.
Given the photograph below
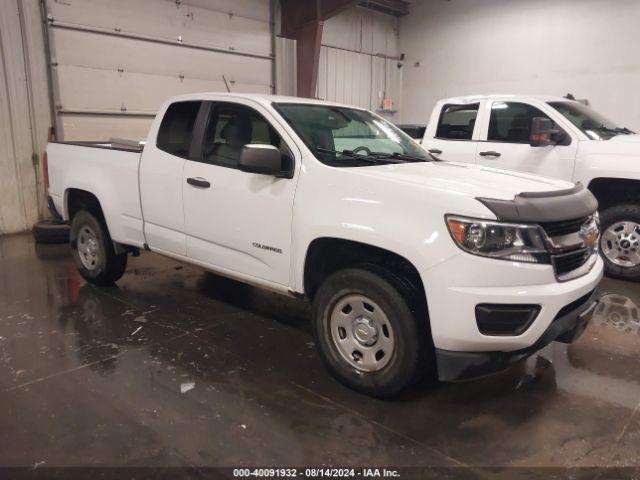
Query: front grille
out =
(568, 262)
(565, 227)
(565, 237)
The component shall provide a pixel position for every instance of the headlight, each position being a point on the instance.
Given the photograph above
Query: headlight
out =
(506, 241)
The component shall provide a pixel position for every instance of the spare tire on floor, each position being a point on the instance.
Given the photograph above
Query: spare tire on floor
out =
(50, 231)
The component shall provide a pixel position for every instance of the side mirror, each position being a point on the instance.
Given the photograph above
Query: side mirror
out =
(261, 159)
(542, 132)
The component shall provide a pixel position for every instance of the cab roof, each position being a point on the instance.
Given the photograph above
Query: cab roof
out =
(506, 97)
(264, 99)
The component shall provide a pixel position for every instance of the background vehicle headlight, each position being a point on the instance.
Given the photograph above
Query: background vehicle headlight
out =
(506, 241)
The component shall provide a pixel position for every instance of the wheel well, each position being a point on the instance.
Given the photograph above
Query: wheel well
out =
(327, 255)
(82, 200)
(615, 191)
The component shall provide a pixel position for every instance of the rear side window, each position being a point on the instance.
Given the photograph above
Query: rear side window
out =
(457, 121)
(176, 129)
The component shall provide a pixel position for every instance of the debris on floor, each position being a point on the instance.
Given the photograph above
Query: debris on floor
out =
(136, 330)
(185, 387)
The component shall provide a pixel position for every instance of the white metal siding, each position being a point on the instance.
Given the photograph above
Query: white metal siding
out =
(358, 62)
(23, 114)
(115, 61)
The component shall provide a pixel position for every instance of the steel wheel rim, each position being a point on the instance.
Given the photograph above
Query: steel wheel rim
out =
(361, 333)
(620, 243)
(88, 248)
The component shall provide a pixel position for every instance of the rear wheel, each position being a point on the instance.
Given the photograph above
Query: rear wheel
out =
(93, 250)
(620, 241)
(369, 334)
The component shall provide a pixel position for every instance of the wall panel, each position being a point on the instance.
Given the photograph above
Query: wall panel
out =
(465, 47)
(20, 191)
(358, 60)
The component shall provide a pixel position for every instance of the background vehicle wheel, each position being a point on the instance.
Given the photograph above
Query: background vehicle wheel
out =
(50, 231)
(369, 334)
(93, 250)
(620, 241)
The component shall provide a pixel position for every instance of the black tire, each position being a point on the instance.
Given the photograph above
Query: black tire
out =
(408, 320)
(108, 267)
(50, 231)
(609, 216)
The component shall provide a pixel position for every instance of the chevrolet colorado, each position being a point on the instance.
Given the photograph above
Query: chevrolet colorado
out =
(555, 137)
(414, 266)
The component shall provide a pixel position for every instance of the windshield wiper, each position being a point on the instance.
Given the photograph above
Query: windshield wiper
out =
(399, 156)
(616, 130)
(373, 160)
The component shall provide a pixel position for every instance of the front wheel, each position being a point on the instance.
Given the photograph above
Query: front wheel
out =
(620, 241)
(93, 250)
(369, 335)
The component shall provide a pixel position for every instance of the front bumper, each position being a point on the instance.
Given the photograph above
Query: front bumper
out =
(566, 327)
(456, 286)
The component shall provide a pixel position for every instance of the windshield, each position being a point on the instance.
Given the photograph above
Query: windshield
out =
(592, 124)
(348, 137)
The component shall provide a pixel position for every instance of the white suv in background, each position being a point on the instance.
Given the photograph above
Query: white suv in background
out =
(554, 137)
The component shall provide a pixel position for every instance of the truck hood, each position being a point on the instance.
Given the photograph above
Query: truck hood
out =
(624, 139)
(621, 145)
(464, 179)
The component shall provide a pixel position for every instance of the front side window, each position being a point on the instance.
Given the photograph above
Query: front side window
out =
(350, 137)
(590, 122)
(231, 127)
(176, 129)
(511, 122)
(457, 122)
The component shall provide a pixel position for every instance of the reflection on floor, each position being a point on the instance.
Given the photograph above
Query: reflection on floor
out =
(178, 367)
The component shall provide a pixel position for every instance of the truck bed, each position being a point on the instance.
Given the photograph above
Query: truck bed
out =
(109, 171)
(121, 144)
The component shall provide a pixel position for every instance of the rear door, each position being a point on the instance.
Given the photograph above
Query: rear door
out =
(161, 169)
(452, 134)
(506, 142)
(236, 221)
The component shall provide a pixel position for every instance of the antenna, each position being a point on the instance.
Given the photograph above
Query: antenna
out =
(226, 84)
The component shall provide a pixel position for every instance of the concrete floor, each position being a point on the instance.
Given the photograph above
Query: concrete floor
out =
(174, 367)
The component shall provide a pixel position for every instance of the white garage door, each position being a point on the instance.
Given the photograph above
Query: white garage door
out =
(115, 61)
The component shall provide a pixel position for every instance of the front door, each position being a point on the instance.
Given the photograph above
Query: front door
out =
(236, 221)
(507, 143)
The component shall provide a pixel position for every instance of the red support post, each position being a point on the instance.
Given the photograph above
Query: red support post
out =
(302, 20)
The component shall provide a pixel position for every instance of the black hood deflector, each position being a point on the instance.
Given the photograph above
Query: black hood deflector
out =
(542, 207)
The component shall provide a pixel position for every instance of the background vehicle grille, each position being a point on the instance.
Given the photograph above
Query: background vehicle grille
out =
(565, 227)
(568, 262)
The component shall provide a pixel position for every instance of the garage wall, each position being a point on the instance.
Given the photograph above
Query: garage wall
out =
(115, 61)
(585, 47)
(359, 58)
(24, 114)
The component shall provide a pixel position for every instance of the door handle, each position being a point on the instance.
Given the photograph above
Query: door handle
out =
(435, 151)
(490, 154)
(198, 182)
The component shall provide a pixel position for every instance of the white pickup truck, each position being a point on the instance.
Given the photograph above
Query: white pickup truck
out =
(555, 137)
(415, 266)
